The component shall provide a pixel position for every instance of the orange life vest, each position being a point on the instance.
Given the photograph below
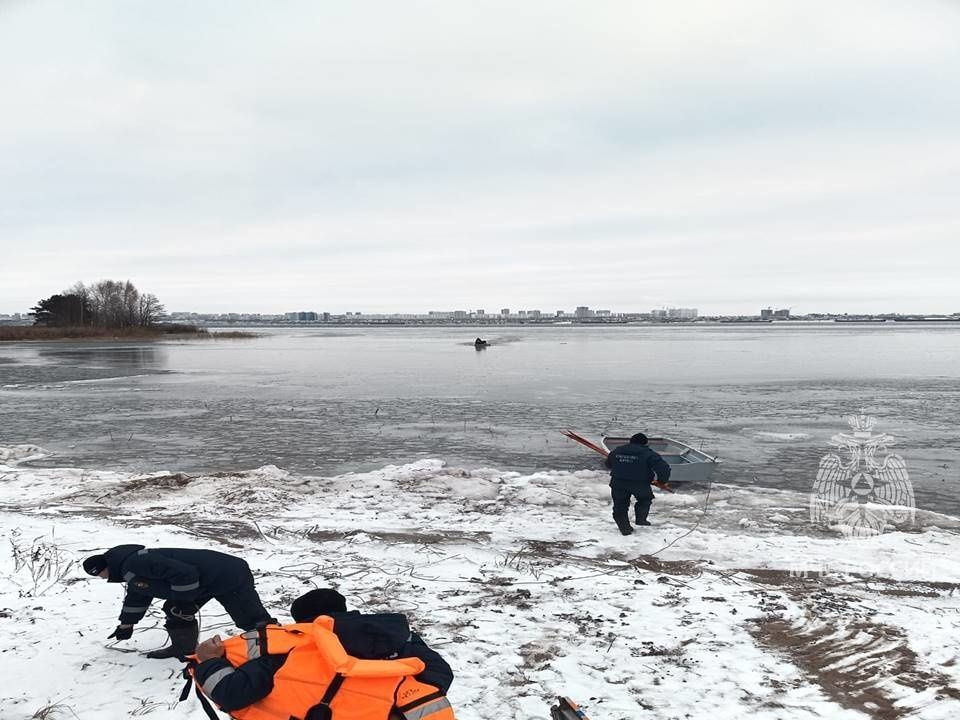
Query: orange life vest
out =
(319, 672)
(419, 701)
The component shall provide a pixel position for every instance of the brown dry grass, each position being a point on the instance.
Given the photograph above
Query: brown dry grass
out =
(35, 332)
(13, 333)
(231, 335)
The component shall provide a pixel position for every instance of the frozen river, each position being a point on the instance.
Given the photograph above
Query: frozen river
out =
(766, 399)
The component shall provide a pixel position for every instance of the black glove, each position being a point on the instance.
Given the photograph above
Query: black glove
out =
(184, 611)
(121, 633)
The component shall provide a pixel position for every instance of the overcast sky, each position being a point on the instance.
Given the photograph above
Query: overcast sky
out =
(413, 156)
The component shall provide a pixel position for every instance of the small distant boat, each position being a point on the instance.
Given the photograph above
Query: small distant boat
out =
(686, 463)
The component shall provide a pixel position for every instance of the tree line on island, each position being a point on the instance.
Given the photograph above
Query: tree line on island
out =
(107, 309)
(104, 304)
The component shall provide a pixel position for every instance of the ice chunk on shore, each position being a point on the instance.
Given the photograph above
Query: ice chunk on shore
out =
(21, 453)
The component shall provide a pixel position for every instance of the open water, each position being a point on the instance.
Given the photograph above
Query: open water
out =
(765, 399)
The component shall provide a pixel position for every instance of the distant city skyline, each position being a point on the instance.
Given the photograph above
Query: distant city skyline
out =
(763, 311)
(581, 312)
(391, 157)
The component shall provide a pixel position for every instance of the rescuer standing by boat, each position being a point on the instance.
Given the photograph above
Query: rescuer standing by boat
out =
(633, 467)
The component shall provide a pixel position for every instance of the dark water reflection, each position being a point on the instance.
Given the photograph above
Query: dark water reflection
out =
(143, 357)
(37, 364)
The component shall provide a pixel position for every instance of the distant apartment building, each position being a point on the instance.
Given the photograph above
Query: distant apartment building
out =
(14, 318)
(769, 313)
(447, 315)
(674, 313)
(481, 313)
(583, 311)
(603, 313)
(536, 314)
(505, 312)
(387, 317)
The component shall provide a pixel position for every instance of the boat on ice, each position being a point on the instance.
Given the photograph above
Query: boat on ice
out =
(687, 464)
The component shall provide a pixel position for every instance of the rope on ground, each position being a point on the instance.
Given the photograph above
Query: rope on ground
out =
(706, 505)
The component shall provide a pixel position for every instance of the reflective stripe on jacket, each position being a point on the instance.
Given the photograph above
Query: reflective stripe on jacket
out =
(416, 700)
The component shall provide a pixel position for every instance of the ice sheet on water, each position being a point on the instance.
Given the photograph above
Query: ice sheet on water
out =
(773, 437)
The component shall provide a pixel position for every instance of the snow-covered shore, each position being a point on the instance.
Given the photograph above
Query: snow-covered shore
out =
(522, 581)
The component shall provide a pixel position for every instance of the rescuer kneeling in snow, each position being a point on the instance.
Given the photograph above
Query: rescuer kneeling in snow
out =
(369, 667)
(632, 468)
(186, 578)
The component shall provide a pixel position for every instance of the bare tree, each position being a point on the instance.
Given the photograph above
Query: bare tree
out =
(149, 310)
(104, 298)
(130, 309)
(110, 301)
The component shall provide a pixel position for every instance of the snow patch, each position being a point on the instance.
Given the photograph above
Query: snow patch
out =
(521, 580)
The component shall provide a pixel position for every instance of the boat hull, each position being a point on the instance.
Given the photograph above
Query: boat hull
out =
(687, 465)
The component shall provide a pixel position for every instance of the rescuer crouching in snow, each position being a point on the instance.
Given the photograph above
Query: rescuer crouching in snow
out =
(186, 578)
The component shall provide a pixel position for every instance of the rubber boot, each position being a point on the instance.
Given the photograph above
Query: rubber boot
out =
(642, 509)
(183, 642)
(624, 524)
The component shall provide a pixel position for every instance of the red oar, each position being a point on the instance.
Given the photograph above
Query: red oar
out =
(583, 441)
(596, 448)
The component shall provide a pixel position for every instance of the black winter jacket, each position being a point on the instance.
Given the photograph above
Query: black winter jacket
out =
(369, 637)
(634, 466)
(181, 575)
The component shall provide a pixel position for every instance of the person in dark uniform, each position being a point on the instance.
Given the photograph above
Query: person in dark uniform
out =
(368, 636)
(186, 579)
(632, 468)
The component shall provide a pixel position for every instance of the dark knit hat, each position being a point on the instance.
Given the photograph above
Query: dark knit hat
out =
(315, 603)
(638, 439)
(95, 564)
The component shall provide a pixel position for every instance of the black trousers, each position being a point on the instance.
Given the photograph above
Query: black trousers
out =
(621, 503)
(242, 604)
